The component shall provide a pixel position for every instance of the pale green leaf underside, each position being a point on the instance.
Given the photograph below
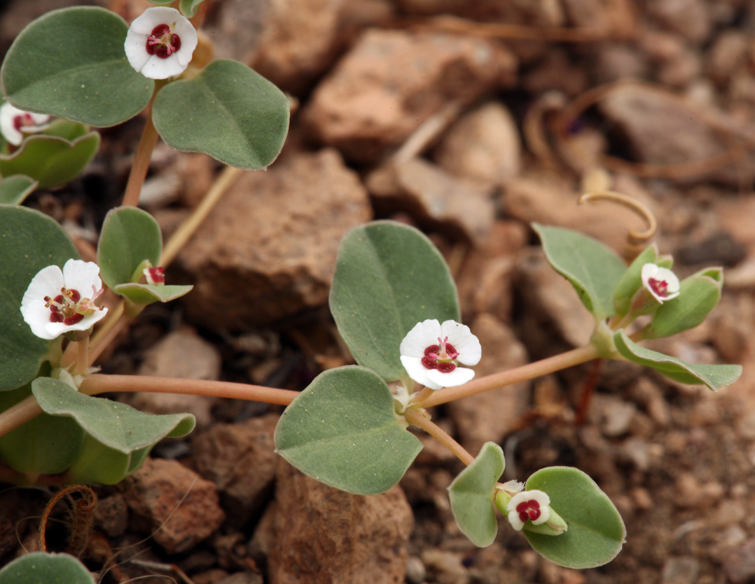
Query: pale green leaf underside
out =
(593, 269)
(189, 7)
(129, 236)
(471, 495)
(148, 293)
(342, 431)
(50, 160)
(388, 278)
(14, 189)
(631, 281)
(228, 111)
(29, 241)
(114, 424)
(595, 531)
(43, 568)
(71, 63)
(714, 376)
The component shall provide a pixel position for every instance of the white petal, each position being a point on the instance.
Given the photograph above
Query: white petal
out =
(418, 372)
(157, 68)
(7, 127)
(189, 40)
(516, 523)
(87, 322)
(423, 335)
(146, 22)
(462, 339)
(81, 276)
(513, 486)
(47, 282)
(136, 50)
(458, 376)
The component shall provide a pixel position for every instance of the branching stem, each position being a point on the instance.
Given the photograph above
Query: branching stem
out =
(418, 419)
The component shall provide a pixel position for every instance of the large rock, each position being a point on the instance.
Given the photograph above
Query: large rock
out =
(319, 535)
(493, 414)
(240, 459)
(268, 249)
(392, 81)
(172, 503)
(434, 198)
(484, 146)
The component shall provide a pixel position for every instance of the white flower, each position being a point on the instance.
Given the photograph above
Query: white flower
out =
(160, 43)
(14, 123)
(660, 282)
(528, 506)
(154, 276)
(431, 351)
(54, 302)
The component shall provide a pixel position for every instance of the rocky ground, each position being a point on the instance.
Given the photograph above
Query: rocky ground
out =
(468, 120)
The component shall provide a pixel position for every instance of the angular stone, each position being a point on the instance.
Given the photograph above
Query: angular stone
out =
(173, 504)
(268, 249)
(432, 196)
(320, 535)
(740, 563)
(494, 414)
(392, 81)
(240, 459)
(483, 145)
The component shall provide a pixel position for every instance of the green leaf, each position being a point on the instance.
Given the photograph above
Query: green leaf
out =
(162, 2)
(114, 424)
(714, 376)
(388, 278)
(29, 241)
(129, 236)
(71, 63)
(148, 293)
(698, 295)
(228, 111)
(343, 432)
(471, 494)
(14, 189)
(43, 568)
(593, 269)
(43, 445)
(595, 532)
(50, 160)
(631, 281)
(100, 465)
(66, 129)
(189, 7)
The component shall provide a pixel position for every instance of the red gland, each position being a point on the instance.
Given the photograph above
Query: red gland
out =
(528, 510)
(73, 319)
(660, 287)
(162, 43)
(441, 362)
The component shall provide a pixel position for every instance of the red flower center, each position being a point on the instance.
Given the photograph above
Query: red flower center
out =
(22, 121)
(441, 356)
(528, 510)
(63, 307)
(660, 287)
(156, 275)
(162, 43)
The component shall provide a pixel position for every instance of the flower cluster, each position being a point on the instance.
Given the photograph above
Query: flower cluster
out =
(54, 302)
(431, 353)
(160, 43)
(14, 123)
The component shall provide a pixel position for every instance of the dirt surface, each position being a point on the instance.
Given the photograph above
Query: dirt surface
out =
(495, 77)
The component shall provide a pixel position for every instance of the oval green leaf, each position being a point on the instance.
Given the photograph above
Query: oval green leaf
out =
(189, 7)
(595, 531)
(43, 568)
(227, 111)
(147, 293)
(388, 278)
(343, 432)
(593, 269)
(71, 63)
(50, 160)
(43, 445)
(471, 495)
(29, 241)
(14, 189)
(114, 424)
(714, 376)
(98, 464)
(698, 295)
(129, 236)
(631, 281)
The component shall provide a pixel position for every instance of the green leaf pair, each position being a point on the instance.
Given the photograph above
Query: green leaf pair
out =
(71, 63)
(595, 531)
(51, 158)
(130, 237)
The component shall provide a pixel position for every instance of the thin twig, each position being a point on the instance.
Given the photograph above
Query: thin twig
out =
(418, 419)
